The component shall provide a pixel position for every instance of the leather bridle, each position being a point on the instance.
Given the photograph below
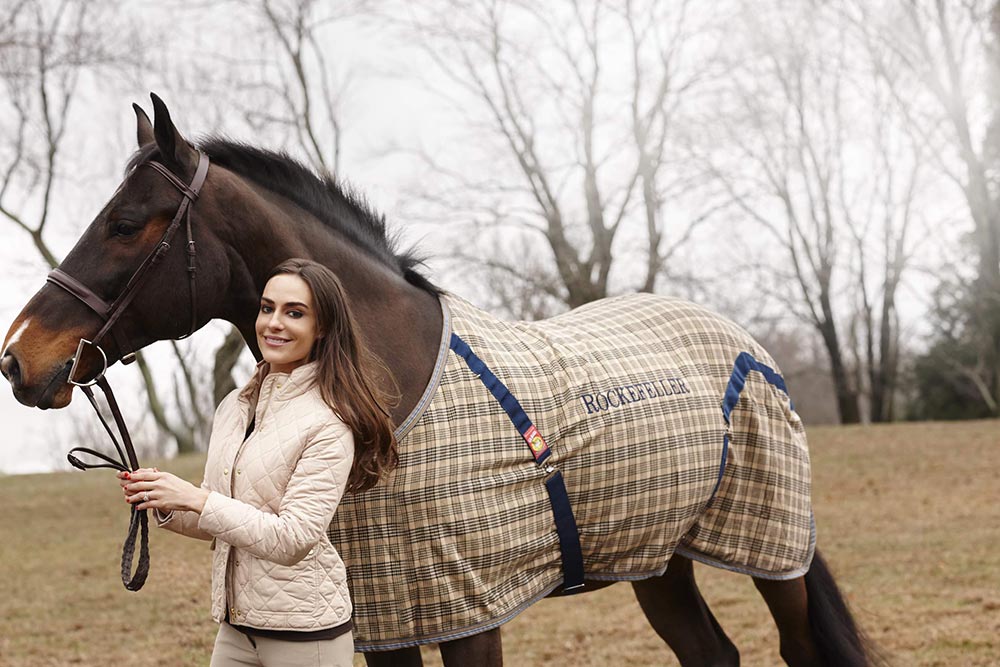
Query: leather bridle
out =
(110, 313)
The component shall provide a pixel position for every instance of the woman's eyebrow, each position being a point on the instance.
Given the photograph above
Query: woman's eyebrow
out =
(290, 304)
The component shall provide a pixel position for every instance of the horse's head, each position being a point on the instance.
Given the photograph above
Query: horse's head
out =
(41, 344)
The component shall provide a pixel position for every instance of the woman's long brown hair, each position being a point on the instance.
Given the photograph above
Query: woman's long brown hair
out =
(346, 372)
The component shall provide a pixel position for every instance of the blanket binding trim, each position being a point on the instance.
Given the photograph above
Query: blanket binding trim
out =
(432, 384)
(751, 571)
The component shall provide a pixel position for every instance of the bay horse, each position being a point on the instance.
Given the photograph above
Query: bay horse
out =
(257, 208)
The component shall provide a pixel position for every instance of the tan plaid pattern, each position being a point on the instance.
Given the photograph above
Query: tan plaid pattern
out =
(461, 538)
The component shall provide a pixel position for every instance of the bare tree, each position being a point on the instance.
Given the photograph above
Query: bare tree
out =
(298, 94)
(574, 106)
(44, 51)
(944, 63)
(805, 108)
(902, 158)
(879, 272)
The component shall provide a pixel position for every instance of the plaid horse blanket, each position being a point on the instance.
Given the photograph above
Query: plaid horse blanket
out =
(629, 394)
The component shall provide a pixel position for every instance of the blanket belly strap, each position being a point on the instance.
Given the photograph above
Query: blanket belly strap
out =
(562, 510)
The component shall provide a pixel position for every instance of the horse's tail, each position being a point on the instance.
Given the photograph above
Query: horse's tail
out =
(837, 637)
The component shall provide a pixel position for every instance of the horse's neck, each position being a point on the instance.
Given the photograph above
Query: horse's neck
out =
(400, 322)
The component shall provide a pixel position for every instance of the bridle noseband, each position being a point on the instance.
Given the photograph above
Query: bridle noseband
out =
(110, 313)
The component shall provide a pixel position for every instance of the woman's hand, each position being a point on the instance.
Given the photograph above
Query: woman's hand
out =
(148, 488)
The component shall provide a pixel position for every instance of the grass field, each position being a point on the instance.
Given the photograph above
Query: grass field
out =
(908, 517)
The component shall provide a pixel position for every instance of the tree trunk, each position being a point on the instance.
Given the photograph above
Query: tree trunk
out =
(847, 395)
(222, 371)
(184, 438)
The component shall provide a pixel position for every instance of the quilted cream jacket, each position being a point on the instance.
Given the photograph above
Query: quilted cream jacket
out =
(272, 498)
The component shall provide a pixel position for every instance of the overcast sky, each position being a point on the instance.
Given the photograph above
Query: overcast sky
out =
(393, 100)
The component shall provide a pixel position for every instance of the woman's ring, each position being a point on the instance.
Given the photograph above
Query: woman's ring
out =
(145, 496)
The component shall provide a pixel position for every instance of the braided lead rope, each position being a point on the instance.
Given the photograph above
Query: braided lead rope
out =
(127, 462)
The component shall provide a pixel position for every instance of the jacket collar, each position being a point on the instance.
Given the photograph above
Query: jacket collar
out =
(299, 381)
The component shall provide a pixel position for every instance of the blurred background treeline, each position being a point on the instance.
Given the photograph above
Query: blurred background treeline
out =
(825, 173)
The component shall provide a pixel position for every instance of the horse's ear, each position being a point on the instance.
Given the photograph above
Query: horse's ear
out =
(144, 128)
(175, 151)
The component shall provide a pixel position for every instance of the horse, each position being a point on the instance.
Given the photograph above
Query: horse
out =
(692, 491)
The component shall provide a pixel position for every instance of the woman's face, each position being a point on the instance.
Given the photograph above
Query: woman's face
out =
(286, 323)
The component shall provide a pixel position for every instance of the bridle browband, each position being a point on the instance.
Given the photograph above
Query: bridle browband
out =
(110, 313)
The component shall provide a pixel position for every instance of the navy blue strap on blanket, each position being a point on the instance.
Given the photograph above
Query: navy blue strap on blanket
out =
(562, 511)
(745, 362)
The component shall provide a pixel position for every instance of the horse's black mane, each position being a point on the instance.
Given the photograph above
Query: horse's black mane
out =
(337, 206)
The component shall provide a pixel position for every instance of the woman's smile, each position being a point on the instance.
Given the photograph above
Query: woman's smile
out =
(271, 340)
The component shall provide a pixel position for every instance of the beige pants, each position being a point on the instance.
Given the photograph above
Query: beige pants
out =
(233, 648)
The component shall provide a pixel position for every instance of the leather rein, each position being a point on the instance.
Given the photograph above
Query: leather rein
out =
(127, 460)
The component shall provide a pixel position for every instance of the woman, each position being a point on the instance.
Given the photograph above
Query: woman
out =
(308, 427)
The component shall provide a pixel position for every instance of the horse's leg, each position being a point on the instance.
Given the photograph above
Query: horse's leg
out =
(814, 622)
(789, 605)
(677, 611)
(481, 650)
(403, 657)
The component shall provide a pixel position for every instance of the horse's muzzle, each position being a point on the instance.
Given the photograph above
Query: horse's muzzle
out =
(51, 392)
(11, 370)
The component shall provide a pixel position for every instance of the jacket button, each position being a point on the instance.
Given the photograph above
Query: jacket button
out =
(225, 471)
(239, 472)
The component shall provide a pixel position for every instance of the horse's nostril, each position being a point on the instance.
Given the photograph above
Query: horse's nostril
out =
(10, 369)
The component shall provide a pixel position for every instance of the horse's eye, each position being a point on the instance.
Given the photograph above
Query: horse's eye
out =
(125, 229)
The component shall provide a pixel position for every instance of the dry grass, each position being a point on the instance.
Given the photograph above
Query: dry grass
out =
(908, 517)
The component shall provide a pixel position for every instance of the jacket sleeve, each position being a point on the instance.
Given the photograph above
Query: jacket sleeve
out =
(185, 522)
(317, 484)
(182, 522)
